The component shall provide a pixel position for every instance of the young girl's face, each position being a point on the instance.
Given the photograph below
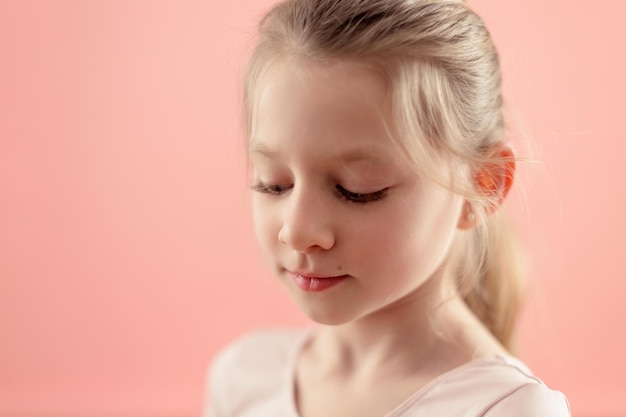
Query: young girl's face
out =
(345, 221)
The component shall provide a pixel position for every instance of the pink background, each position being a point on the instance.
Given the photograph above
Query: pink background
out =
(126, 252)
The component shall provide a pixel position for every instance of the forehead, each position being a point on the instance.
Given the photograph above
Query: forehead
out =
(338, 102)
(347, 75)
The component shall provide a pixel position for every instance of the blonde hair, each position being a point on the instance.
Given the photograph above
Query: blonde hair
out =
(445, 85)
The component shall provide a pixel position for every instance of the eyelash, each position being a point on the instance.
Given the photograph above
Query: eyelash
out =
(352, 197)
(274, 189)
(361, 198)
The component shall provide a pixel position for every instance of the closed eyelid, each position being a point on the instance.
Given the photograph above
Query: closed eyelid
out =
(344, 193)
(362, 197)
(270, 188)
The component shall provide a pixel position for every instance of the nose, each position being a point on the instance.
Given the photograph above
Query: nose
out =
(307, 222)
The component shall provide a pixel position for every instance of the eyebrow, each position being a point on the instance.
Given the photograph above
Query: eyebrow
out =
(350, 155)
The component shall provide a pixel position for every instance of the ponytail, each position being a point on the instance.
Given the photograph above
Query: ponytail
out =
(491, 275)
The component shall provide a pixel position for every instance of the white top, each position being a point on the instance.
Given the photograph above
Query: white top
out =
(254, 376)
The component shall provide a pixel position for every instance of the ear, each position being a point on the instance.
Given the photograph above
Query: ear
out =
(493, 180)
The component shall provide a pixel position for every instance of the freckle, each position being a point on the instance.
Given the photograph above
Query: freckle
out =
(339, 267)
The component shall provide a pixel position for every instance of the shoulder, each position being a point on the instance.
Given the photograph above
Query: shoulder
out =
(495, 387)
(254, 365)
(532, 399)
(521, 393)
(528, 396)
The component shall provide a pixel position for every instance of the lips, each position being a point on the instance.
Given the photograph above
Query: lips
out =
(310, 283)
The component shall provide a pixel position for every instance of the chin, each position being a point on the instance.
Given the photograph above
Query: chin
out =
(326, 316)
(321, 308)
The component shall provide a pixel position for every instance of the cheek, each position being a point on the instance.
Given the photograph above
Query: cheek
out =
(379, 242)
(260, 220)
(434, 233)
(266, 225)
(414, 233)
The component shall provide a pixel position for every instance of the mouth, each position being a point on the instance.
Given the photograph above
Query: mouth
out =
(311, 283)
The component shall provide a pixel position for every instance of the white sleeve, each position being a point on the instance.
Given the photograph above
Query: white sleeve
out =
(248, 371)
(216, 383)
(210, 407)
(531, 400)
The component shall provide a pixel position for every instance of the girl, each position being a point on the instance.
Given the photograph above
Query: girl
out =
(376, 141)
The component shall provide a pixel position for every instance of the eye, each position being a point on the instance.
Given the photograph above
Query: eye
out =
(274, 189)
(359, 197)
